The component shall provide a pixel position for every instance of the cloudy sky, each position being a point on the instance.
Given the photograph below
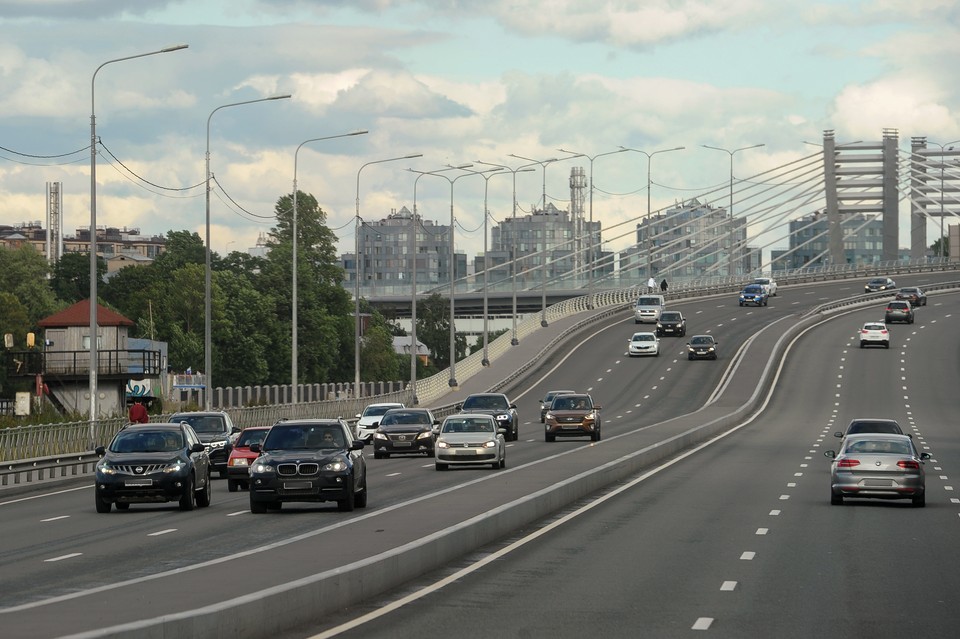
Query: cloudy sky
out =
(455, 80)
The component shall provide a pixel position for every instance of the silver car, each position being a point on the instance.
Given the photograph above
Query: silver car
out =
(877, 466)
(470, 438)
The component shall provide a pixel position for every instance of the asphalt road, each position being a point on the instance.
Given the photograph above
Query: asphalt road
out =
(56, 545)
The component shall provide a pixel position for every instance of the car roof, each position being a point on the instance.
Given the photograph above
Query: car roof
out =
(877, 437)
(325, 421)
(693, 337)
(470, 416)
(875, 323)
(199, 413)
(644, 333)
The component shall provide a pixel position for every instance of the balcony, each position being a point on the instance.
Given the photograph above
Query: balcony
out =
(68, 365)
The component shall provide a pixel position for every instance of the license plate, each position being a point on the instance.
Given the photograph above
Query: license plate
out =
(571, 427)
(402, 444)
(296, 485)
(137, 483)
(878, 483)
(464, 451)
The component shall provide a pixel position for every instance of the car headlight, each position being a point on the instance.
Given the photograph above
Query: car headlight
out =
(106, 469)
(238, 461)
(589, 417)
(503, 417)
(442, 444)
(217, 443)
(549, 415)
(174, 467)
(490, 444)
(262, 468)
(425, 435)
(335, 466)
(691, 348)
(379, 435)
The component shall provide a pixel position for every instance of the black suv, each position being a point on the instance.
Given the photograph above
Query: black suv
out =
(310, 460)
(671, 323)
(217, 432)
(152, 463)
(499, 406)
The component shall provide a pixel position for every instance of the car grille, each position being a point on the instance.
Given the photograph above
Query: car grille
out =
(140, 469)
(570, 420)
(402, 437)
(304, 469)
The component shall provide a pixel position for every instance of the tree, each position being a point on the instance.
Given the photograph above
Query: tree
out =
(181, 248)
(23, 273)
(71, 276)
(433, 329)
(379, 361)
(939, 250)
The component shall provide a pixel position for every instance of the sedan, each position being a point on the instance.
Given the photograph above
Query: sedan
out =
(405, 430)
(874, 334)
(877, 466)
(702, 347)
(643, 344)
(863, 425)
(912, 294)
(471, 439)
(241, 457)
(879, 284)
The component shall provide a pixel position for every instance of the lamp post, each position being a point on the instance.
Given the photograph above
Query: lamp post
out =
(294, 240)
(590, 254)
(649, 185)
(94, 358)
(359, 270)
(514, 341)
(486, 175)
(732, 228)
(208, 271)
(452, 382)
(543, 285)
(943, 149)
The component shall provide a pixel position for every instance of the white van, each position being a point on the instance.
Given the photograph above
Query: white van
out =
(648, 309)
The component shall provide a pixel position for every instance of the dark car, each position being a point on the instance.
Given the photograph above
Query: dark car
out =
(217, 432)
(899, 311)
(308, 460)
(879, 284)
(548, 399)
(405, 430)
(870, 425)
(702, 347)
(152, 463)
(912, 294)
(241, 457)
(573, 415)
(499, 406)
(755, 294)
(671, 323)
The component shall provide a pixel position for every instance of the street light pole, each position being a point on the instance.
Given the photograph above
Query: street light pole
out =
(943, 149)
(590, 254)
(94, 329)
(294, 240)
(732, 228)
(543, 284)
(208, 271)
(356, 296)
(649, 186)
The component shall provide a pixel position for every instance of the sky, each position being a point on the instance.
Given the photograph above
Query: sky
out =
(458, 81)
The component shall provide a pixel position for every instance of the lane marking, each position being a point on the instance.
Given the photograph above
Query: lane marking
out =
(748, 555)
(161, 532)
(62, 557)
(703, 623)
(56, 518)
(728, 586)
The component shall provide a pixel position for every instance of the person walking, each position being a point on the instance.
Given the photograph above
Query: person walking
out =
(651, 285)
(663, 286)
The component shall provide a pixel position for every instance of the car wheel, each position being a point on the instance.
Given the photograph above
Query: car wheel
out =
(690, 357)
(103, 506)
(431, 454)
(122, 505)
(516, 433)
(595, 436)
(862, 344)
(203, 497)
(188, 499)
(547, 437)
(886, 344)
(257, 507)
(440, 466)
(836, 499)
(274, 505)
(347, 505)
(503, 460)
(233, 485)
(223, 473)
(920, 500)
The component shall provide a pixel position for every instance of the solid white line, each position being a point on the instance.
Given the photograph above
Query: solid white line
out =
(70, 556)
(56, 492)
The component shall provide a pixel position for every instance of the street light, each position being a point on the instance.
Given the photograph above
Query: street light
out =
(208, 278)
(356, 330)
(543, 285)
(591, 256)
(732, 228)
(486, 175)
(452, 382)
(294, 242)
(513, 256)
(649, 185)
(94, 330)
(943, 150)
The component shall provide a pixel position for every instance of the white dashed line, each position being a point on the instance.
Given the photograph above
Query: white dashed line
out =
(62, 557)
(56, 518)
(161, 532)
(728, 586)
(762, 531)
(703, 623)
(748, 555)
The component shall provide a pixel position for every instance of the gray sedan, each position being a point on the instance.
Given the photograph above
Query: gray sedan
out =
(470, 438)
(877, 466)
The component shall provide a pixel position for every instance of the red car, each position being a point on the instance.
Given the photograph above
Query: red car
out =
(241, 457)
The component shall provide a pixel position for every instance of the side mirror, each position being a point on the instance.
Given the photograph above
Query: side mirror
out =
(513, 406)
(357, 444)
(458, 406)
(255, 448)
(829, 453)
(838, 434)
(597, 407)
(235, 430)
(197, 448)
(100, 451)
(924, 456)
(358, 415)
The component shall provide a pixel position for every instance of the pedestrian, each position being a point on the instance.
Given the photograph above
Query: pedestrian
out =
(138, 412)
(663, 286)
(651, 285)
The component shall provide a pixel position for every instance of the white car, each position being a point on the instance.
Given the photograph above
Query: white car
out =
(874, 334)
(470, 438)
(369, 419)
(768, 283)
(643, 343)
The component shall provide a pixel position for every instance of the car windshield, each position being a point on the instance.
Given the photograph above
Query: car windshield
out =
(761, 280)
(874, 327)
(568, 402)
(374, 411)
(644, 337)
(404, 417)
(701, 339)
(648, 301)
(879, 282)
(249, 437)
(459, 425)
(879, 447)
(149, 441)
(753, 288)
(874, 427)
(670, 317)
(486, 402)
(304, 436)
(202, 423)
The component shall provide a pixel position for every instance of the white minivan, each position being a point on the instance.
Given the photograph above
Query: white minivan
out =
(648, 309)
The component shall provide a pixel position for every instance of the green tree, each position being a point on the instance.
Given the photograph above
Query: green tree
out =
(940, 246)
(378, 360)
(71, 276)
(23, 274)
(180, 249)
(433, 329)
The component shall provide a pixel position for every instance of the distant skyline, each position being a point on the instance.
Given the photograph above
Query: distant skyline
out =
(456, 81)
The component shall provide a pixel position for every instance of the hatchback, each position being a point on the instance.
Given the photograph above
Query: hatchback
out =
(471, 439)
(874, 334)
(702, 347)
(877, 466)
(899, 311)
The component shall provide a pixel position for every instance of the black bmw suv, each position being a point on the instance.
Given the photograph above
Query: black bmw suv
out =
(499, 406)
(217, 432)
(311, 460)
(152, 463)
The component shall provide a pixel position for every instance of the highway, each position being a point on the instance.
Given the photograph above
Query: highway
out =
(682, 532)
